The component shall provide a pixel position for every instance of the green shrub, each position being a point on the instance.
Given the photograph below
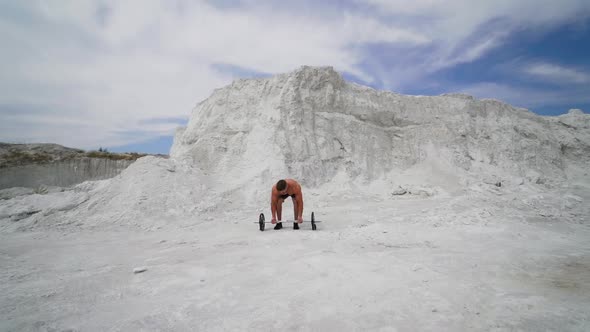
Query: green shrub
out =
(114, 156)
(16, 157)
(41, 190)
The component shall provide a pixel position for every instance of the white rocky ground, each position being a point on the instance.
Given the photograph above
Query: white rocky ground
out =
(475, 220)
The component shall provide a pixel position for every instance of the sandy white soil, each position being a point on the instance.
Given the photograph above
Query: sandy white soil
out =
(405, 264)
(442, 213)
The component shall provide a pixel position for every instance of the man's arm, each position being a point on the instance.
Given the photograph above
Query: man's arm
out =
(300, 207)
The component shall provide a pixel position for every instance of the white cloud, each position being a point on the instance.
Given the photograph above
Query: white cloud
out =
(464, 30)
(112, 64)
(556, 73)
(100, 68)
(454, 19)
(466, 54)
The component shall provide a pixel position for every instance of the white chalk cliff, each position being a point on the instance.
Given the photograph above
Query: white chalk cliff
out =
(311, 124)
(341, 141)
(438, 213)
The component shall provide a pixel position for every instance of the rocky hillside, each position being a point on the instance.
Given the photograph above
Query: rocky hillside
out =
(34, 165)
(344, 143)
(26, 154)
(313, 125)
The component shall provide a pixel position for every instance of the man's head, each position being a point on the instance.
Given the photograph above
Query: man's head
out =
(282, 186)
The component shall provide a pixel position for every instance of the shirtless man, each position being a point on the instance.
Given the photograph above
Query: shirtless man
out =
(280, 191)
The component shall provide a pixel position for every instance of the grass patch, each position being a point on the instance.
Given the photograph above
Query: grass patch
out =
(16, 158)
(21, 158)
(114, 156)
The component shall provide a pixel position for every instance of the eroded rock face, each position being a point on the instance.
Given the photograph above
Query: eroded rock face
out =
(344, 143)
(35, 165)
(311, 124)
(61, 173)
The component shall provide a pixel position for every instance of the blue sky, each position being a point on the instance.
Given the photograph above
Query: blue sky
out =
(124, 74)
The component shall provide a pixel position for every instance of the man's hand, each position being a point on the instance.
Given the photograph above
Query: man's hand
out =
(274, 220)
(299, 220)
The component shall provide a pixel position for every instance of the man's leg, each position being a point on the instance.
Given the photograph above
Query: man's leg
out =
(279, 225)
(280, 209)
(295, 209)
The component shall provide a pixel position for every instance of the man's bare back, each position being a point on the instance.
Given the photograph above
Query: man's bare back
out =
(280, 191)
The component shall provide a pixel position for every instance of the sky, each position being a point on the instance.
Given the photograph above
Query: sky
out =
(124, 74)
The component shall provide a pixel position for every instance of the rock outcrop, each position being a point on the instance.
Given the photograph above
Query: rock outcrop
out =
(35, 165)
(311, 124)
